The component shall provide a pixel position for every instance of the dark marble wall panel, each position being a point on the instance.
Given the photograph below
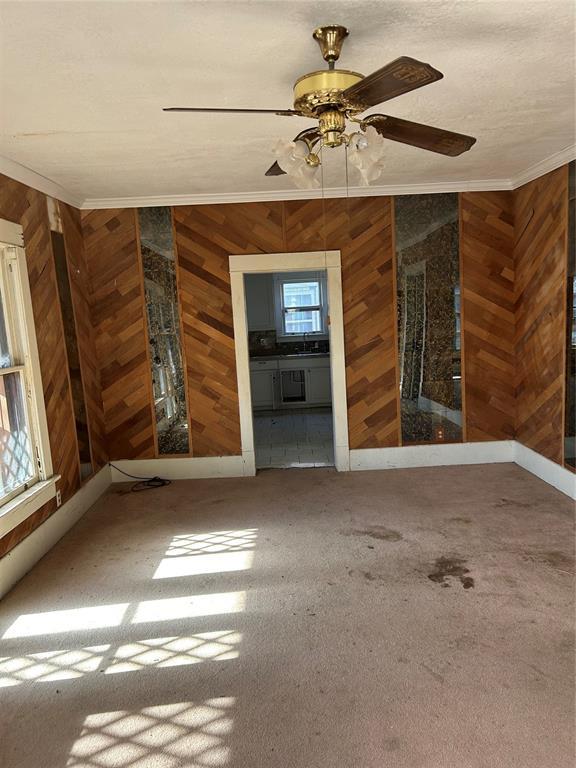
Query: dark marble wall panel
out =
(158, 261)
(570, 408)
(428, 286)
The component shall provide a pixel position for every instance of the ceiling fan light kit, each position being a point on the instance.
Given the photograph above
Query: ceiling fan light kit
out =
(333, 96)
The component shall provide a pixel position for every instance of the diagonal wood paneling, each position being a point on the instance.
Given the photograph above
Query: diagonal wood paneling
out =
(80, 290)
(540, 263)
(115, 274)
(51, 343)
(368, 281)
(361, 228)
(205, 237)
(488, 314)
(28, 207)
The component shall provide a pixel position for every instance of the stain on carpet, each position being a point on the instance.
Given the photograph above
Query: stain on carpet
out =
(366, 575)
(379, 532)
(446, 568)
(560, 561)
(512, 503)
(392, 744)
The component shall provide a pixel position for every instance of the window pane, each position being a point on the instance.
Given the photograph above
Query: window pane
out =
(5, 359)
(15, 449)
(303, 322)
(301, 294)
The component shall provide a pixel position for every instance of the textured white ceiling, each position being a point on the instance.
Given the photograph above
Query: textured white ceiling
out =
(83, 84)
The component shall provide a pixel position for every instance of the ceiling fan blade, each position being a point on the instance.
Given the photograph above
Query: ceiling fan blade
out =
(287, 112)
(419, 135)
(400, 76)
(274, 170)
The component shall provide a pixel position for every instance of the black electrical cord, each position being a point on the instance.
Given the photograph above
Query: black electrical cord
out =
(144, 483)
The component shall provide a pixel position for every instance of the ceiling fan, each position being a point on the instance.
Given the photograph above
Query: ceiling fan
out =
(333, 96)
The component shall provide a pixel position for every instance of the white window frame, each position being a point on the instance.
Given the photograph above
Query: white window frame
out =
(296, 277)
(24, 501)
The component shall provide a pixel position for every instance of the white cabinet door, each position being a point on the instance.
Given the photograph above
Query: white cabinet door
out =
(318, 390)
(262, 386)
(260, 302)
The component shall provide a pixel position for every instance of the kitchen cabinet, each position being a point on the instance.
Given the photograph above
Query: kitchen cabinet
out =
(263, 375)
(259, 302)
(318, 386)
(262, 385)
(312, 375)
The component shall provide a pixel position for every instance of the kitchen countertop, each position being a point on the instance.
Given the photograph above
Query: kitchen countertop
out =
(290, 357)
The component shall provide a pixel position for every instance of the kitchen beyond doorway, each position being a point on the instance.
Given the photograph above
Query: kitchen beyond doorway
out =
(321, 360)
(299, 438)
(289, 351)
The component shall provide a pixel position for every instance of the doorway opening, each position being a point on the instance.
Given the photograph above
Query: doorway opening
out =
(289, 340)
(289, 351)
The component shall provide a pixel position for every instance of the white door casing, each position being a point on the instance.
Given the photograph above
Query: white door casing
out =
(291, 262)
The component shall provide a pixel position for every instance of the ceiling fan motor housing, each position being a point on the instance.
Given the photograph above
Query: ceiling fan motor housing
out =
(318, 91)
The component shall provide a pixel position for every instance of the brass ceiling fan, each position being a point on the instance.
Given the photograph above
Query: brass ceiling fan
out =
(333, 96)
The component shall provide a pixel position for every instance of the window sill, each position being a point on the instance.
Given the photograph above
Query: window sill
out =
(26, 503)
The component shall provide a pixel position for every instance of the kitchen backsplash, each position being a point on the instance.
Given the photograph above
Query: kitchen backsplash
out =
(263, 343)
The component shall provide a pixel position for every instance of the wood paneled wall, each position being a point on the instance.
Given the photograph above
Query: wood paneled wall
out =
(540, 289)
(488, 314)
(205, 236)
(370, 324)
(81, 298)
(513, 248)
(362, 229)
(115, 271)
(28, 207)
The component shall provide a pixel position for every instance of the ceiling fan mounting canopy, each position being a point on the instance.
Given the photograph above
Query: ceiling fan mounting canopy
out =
(330, 39)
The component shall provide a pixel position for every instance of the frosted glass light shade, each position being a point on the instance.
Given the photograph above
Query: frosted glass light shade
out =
(365, 154)
(291, 157)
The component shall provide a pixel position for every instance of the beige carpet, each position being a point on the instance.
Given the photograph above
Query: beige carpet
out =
(300, 619)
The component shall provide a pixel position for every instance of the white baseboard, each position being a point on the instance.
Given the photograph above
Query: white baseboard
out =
(561, 478)
(181, 469)
(447, 454)
(432, 455)
(25, 555)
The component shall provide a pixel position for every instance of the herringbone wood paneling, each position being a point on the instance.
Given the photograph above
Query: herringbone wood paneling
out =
(540, 263)
(205, 237)
(115, 273)
(368, 281)
(361, 228)
(488, 314)
(81, 294)
(28, 207)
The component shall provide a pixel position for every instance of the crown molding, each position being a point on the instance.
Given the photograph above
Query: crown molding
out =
(298, 194)
(43, 184)
(27, 176)
(542, 167)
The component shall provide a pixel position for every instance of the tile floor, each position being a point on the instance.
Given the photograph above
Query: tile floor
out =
(296, 438)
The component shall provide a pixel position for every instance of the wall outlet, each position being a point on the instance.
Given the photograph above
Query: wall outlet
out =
(58, 498)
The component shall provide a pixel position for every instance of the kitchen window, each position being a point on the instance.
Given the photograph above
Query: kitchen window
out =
(301, 304)
(25, 465)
